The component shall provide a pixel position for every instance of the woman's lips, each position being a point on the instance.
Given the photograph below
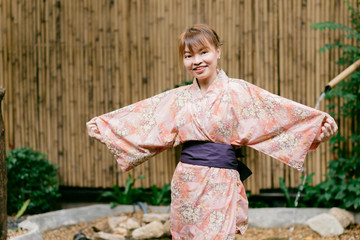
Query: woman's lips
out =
(199, 70)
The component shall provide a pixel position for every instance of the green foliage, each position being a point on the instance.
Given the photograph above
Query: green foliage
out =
(184, 83)
(255, 203)
(128, 195)
(160, 196)
(342, 185)
(30, 176)
(285, 190)
(22, 209)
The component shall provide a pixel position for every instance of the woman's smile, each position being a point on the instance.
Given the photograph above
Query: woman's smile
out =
(201, 63)
(199, 70)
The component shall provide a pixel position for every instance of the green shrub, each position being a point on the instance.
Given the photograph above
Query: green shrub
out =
(160, 196)
(30, 176)
(128, 195)
(342, 185)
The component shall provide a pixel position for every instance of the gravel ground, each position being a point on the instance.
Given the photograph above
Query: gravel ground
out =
(298, 233)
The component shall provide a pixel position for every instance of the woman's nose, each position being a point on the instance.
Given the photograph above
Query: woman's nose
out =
(197, 59)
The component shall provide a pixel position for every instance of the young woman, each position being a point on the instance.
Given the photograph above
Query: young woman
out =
(210, 118)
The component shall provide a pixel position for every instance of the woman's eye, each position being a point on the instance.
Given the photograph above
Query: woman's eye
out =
(204, 52)
(187, 56)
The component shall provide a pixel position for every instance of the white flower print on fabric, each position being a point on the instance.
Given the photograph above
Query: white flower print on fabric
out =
(122, 131)
(225, 98)
(219, 188)
(230, 237)
(188, 176)
(301, 113)
(183, 97)
(217, 219)
(148, 122)
(175, 190)
(112, 146)
(285, 140)
(180, 122)
(224, 129)
(190, 214)
(295, 164)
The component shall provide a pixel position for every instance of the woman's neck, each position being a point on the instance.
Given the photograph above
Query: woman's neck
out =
(204, 84)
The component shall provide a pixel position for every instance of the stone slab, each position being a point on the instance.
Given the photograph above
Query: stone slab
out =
(281, 217)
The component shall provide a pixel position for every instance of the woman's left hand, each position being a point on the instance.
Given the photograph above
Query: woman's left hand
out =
(328, 129)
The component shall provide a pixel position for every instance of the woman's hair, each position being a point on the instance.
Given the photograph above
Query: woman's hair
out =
(197, 36)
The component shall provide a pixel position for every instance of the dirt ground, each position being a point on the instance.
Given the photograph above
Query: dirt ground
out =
(298, 233)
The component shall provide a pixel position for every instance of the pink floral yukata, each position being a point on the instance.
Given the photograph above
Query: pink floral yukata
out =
(209, 202)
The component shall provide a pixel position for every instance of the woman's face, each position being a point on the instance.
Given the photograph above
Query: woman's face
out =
(202, 62)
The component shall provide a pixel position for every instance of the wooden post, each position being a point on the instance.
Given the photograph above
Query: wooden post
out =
(3, 175)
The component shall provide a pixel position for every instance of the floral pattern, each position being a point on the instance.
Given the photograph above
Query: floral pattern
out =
(207, 202)
(209, 206)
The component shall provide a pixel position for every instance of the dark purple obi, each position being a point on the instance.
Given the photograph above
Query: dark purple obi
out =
(213, 155)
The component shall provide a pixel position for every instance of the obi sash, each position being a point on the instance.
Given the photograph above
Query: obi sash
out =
(213, 155)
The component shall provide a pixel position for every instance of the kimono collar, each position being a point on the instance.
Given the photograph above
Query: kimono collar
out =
(215, 88)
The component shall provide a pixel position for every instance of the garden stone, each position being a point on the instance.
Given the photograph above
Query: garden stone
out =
(114, 222)
(344, 217)
(166, 228)
(152, 230)
(161, 217)
(326, 225)
(357, 218)
(108, 236)
(120, 231)
(130, 223)
(281, 217)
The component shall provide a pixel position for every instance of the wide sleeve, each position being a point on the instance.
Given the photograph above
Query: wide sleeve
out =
(139, 131)
(276, 126)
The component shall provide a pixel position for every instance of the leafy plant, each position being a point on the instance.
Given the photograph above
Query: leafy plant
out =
(285, 190)
(160, 196)
(128, 195)
(255, 203)
(30, 176)
(22, 209)
(342, 185)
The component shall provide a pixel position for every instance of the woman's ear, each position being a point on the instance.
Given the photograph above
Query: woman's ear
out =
(218, 50)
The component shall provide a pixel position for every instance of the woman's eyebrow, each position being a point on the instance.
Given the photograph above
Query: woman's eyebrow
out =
(203, 48)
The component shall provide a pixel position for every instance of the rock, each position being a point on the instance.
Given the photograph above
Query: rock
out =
(108, 236)
(152, 230)
(166, 228)
(326, 225)
(161, 217)
(130, 223)
(344, 217)
(120, 231)
(115, 221)
(357, 218)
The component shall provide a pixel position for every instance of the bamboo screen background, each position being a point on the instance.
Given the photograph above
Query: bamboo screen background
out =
(63, 62)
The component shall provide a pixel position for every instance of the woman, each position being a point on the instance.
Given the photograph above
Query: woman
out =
(210, 118)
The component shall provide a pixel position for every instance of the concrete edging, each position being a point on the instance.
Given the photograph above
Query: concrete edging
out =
(258, 217)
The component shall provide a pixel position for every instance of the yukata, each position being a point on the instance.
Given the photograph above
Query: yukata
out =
(210, 202)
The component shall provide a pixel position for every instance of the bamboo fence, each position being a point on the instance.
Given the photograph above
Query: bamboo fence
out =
(64, 62)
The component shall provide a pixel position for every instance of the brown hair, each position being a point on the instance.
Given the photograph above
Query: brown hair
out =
(197, 36)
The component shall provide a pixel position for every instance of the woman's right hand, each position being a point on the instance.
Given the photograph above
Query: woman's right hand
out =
(93, 130)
